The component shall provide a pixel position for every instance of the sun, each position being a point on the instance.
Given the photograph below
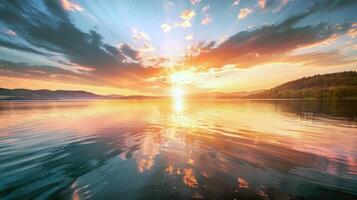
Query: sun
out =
(182, 77)
(177, 93)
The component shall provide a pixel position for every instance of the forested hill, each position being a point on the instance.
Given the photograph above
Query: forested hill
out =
(328, 86)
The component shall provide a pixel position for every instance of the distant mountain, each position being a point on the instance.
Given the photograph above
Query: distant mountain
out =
(24, 94)
(340, 85)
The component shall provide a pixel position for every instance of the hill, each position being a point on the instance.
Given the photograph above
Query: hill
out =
(24, 94)
(342, 85)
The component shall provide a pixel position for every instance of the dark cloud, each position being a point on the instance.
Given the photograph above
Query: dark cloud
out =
(128, 79)
(51, 29)
(19, 47)
(23, 70)
(330, 5)
(129, 51)
(92, 61)
(268, 4)
(271, 42)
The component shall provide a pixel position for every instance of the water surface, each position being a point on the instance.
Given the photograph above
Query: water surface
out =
(216, 149)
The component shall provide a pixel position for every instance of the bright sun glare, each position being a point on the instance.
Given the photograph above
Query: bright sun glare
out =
(177, 93)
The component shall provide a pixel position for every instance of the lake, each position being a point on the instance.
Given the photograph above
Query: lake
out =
(161, 149)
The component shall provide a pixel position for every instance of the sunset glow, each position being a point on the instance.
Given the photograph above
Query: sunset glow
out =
(177, 93)
(147, 48)
(178, 99)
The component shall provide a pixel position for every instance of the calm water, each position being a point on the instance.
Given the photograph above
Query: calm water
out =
(178, 150)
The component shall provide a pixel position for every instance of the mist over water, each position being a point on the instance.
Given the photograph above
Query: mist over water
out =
(141, 149)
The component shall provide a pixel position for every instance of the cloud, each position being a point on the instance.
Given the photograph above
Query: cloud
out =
(262, 4)
(128, 52)
(49, 31)
(187, 15)
(194, 2)
(19, 47)
(207, 20)
(44, 72)
(280, 6)
(70, 6)
(139, 35)
(46, 28)
(267, 44)
(206, 8)
(321, 59)
(353, 31)
(270, 4)
(236, 3)
(81, 75)
(244, 12)
(170, 4)
(273, 43)
(166, 27)
(49, 28)
(9, 32)
(200, 48)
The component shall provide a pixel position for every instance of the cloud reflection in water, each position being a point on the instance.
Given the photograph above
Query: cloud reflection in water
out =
(152, 149)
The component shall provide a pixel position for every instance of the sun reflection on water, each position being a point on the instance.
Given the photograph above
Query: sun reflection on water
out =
(191, 144)
(178, 105)
(177, 94)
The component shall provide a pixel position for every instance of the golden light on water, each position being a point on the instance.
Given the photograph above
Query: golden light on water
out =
(178, 104)
(177, 96)
(182, 140)
(178, 80)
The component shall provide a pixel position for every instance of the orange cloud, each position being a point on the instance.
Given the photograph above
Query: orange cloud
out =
(207, 20)
(244, 12)
(353, 31)
(70, 6)
(187, 15)
(262, 4)
(274, 43)
(322, 59)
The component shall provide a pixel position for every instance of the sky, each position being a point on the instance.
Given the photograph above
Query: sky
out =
(153, 47)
